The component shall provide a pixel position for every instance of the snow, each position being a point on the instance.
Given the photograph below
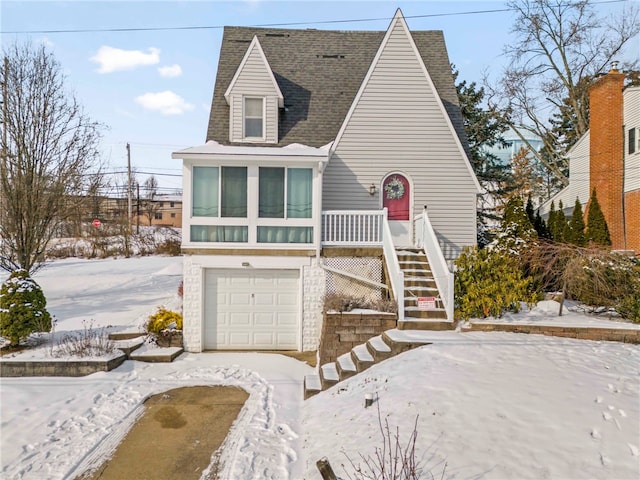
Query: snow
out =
(490, 405)
(546, 313)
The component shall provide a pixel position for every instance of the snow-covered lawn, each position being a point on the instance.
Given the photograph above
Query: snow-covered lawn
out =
(490, 405)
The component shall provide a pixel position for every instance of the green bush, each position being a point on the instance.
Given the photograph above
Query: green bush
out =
(490, 282)
(22, 308)
(604, 279)
(162, 319)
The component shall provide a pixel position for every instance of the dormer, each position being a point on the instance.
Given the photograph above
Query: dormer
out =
(254, 98)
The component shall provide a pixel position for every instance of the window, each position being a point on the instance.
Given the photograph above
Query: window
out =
(253, 118)
(632, 140)
(272, 201)
(172, 204)
(158, 216)
(219, 191)
(173, 215)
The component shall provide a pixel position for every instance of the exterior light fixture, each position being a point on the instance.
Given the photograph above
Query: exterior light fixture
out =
(372, 189)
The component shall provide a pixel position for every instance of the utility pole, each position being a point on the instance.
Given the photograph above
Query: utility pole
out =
(5, 155)
(129, 185)
(138, 208)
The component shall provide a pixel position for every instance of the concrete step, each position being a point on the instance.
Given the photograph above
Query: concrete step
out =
(361, 357)
(399, 342)
(130, 345)
(156, 355)
(346, 367)
(126, 335)
(312, 385)
(378, 349)
(412, 312)
(425, 324)
(329, 375)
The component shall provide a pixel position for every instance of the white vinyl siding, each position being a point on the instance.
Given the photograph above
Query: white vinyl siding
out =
(398, 125)
(578, 173)
(254, 81)
(632, 120)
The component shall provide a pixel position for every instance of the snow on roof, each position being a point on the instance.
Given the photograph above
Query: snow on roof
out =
(214, 148)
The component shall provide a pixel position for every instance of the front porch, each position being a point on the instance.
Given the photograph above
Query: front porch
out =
(418, 278)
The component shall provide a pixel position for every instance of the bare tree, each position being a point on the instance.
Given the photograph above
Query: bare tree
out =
(49, 155)
(149, 204)
(560, 46)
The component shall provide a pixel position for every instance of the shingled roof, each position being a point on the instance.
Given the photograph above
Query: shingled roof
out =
(319, 73)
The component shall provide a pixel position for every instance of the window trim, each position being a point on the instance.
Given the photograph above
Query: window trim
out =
(244, 118)
(633, 141)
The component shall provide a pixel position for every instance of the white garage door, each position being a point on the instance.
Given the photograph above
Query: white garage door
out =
(251, 309)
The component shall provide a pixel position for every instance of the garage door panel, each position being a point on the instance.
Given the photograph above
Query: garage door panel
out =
(269, 299)
(265, 319)
(239, 319)
(286, 319)
(238, 299)
(256, 309)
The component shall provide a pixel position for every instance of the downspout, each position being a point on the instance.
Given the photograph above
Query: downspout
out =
(624, 167)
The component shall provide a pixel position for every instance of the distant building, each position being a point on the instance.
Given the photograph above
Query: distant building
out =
(165, 210)
(515, 143)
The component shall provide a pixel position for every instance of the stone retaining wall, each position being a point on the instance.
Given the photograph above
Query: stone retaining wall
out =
(53, 368)
(586, 333)
(343, 331)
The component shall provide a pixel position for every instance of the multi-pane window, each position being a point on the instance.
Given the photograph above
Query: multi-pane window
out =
(219, 192)
(276, 201)
(253, 117)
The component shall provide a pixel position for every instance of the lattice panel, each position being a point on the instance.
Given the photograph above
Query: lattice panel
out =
(367, 267)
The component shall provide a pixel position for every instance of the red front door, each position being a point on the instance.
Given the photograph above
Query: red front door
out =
(395, 196)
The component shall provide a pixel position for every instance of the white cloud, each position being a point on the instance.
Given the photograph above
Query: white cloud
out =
(46, 42)
(170, 71)
(115, 59)
(167, 103)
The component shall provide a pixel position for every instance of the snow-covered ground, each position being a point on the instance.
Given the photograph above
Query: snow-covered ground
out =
(490, 405)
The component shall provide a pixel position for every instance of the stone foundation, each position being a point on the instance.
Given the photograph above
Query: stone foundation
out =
(343, 331)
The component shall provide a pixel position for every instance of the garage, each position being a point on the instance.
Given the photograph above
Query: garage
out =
(251, 309)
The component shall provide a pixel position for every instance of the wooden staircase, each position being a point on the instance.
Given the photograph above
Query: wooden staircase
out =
(419, 282)
(361, 357)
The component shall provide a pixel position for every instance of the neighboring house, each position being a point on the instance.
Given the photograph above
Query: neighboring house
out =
(514, 144)
(607, 158)
(162, 210)
(324, 149)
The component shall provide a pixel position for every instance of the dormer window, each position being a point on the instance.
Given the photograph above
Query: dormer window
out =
(253, 117)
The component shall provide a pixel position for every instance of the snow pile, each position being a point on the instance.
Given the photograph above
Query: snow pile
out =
(492, 405)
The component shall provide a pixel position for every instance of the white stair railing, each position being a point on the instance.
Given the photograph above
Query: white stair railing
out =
(427, 240)
(396, 275)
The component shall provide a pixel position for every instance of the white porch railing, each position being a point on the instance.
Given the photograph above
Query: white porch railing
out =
(365, 228)
(427, 240)
(352, 227)
(396, 275)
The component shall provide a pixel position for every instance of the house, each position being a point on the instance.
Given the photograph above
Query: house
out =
(607, 159)
(162, 210)
(329, 154)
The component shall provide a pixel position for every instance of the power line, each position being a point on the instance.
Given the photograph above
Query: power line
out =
(283, 24)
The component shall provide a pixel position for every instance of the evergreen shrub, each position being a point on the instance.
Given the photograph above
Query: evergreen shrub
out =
(489, 282)
(22, 308)
(162, 319)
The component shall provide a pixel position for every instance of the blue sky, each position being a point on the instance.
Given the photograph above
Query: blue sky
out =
(153, 89)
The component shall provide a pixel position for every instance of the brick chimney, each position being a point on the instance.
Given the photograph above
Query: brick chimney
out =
(606, 150)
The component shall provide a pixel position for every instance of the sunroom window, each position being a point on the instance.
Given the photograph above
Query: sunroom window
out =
(253, 117)
(216, 194)
(277, 202)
